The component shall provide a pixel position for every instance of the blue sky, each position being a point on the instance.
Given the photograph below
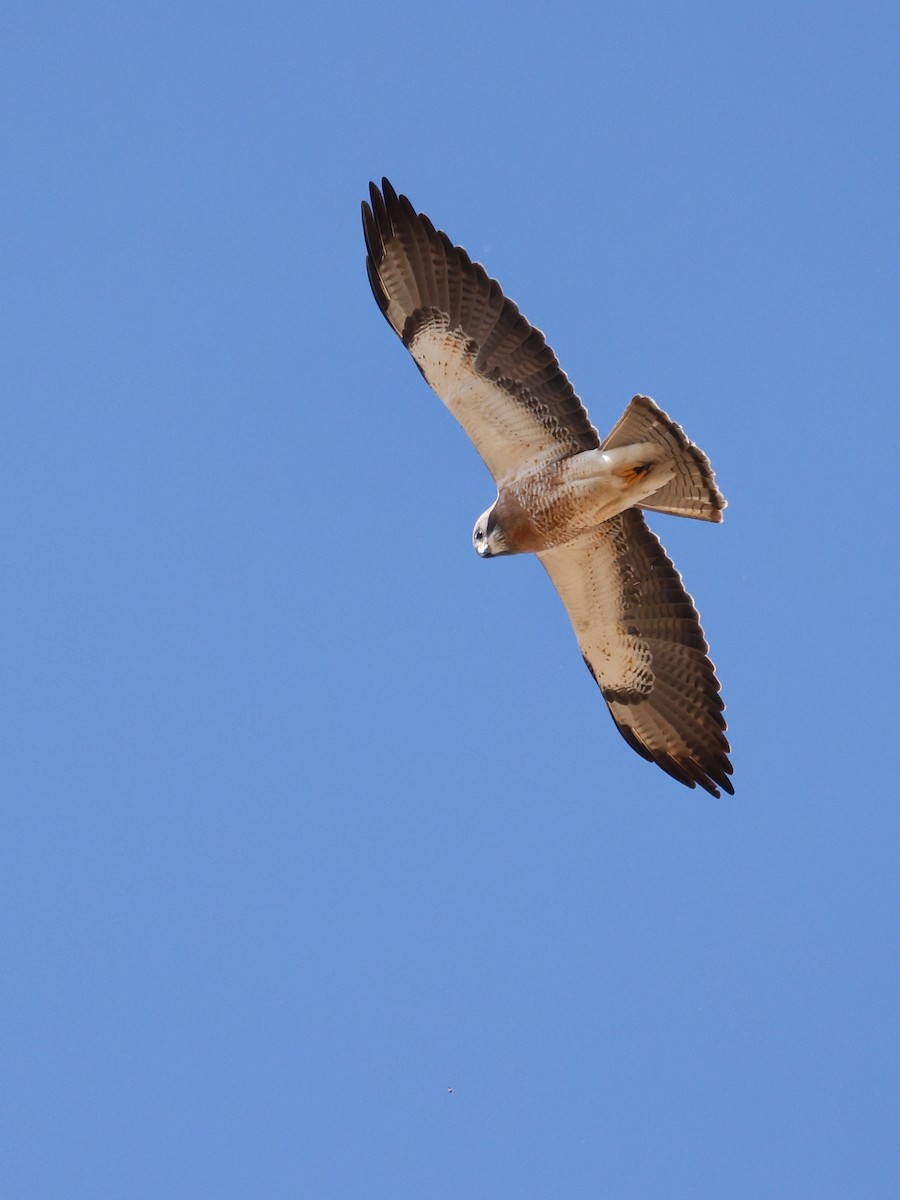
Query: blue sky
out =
(310, 816)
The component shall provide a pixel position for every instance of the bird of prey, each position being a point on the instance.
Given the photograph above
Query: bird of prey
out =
(564, 494)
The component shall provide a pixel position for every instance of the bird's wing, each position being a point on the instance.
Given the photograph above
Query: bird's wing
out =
(492, 369)
(640, 636)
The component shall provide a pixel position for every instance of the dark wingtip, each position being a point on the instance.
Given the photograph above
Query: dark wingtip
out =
(376, 285)
(376, 224)
(710, 776)
(714, 776)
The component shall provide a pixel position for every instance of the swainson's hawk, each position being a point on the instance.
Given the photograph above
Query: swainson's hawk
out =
(564, 494)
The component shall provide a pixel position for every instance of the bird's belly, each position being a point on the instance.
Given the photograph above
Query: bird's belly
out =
(564, 501)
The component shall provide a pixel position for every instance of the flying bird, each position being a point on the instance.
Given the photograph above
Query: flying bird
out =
(564, 494)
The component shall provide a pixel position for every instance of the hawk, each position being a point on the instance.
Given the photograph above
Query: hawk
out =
(574, 500)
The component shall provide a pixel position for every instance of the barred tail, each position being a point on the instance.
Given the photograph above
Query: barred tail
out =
(693, 491)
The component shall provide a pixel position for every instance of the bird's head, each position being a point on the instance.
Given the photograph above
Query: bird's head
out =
(488, 537)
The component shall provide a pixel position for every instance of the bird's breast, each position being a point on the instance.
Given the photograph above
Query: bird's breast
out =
(538, 511)
(562, 501)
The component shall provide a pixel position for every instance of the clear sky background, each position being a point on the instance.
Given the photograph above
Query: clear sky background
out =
(324, 871)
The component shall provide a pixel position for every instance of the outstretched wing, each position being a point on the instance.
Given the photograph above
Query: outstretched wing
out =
(640, 636)
(492, 369)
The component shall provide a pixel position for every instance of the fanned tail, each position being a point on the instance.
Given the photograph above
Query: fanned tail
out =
(693, 491)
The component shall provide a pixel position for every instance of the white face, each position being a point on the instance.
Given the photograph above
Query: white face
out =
(479, 535)
(488, 544)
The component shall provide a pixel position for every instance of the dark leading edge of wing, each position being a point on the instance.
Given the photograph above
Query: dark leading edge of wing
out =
(415, 271)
